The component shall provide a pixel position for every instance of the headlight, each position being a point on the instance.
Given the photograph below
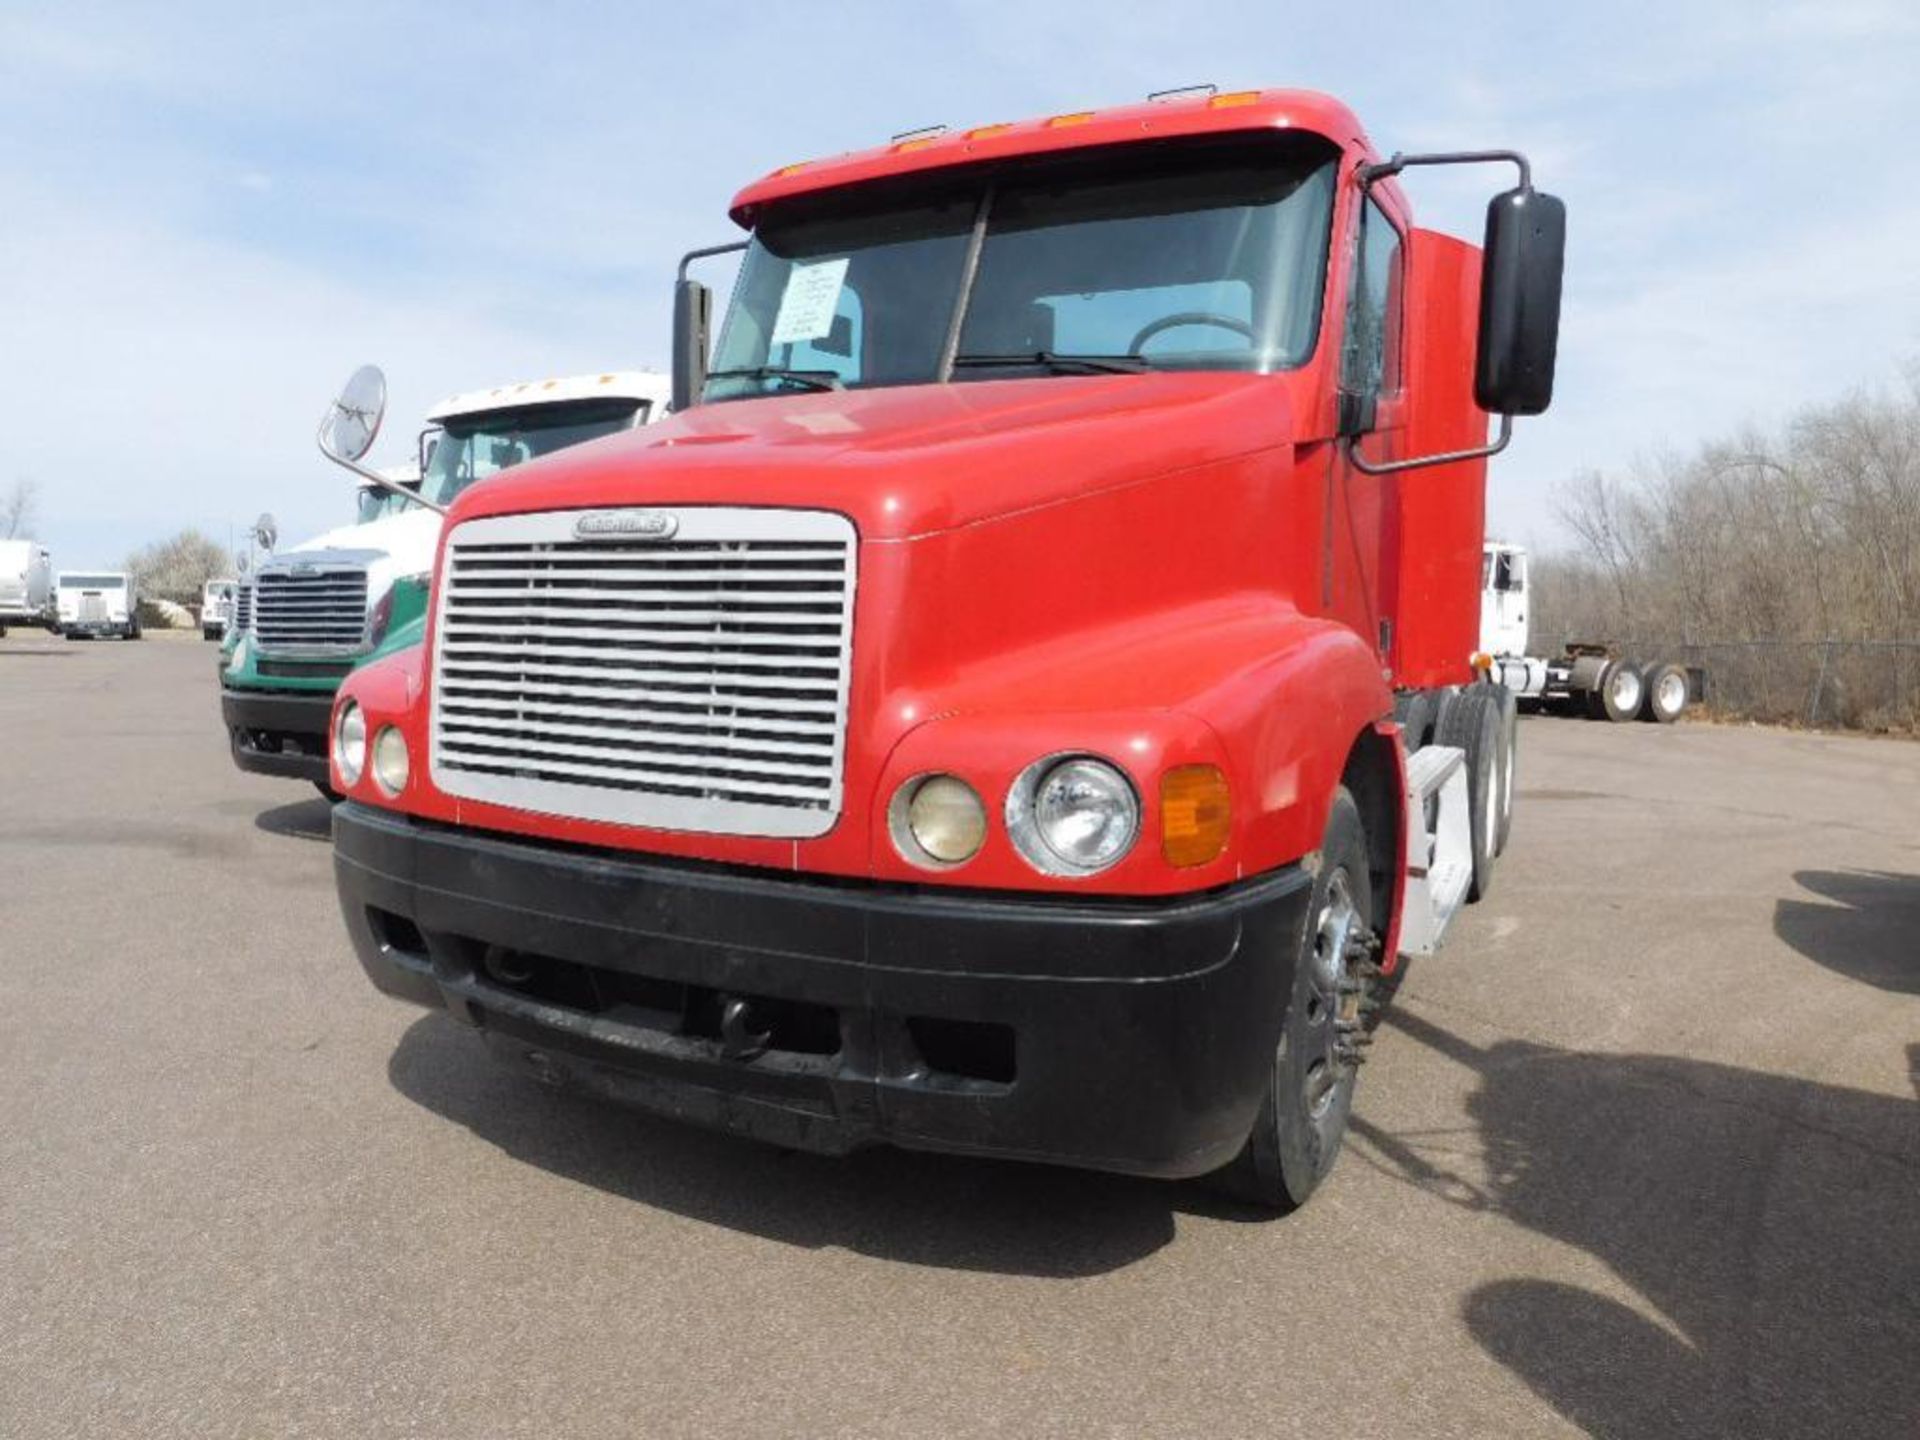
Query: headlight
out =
(937, 821)
(350, 743)
(390, 760)
(1072, 816)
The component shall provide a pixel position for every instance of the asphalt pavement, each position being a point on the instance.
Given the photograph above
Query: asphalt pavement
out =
(1638, 1154)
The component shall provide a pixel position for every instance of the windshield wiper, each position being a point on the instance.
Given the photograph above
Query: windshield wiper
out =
(1070, 364)
(805, 379)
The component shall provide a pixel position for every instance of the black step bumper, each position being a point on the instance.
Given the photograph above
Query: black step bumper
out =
(1120, 1035)
(282, 734)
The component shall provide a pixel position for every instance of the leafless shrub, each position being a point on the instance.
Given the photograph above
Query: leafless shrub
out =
(1790, 561)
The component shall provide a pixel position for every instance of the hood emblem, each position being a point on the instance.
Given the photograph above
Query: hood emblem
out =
(626, 525)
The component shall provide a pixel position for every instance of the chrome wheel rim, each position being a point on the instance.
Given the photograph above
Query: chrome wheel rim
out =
(1626, 690)
(1670, 694)
(1330, 995)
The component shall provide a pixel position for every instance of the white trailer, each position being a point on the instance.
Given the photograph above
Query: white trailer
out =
(26, 584)
(1589, 678)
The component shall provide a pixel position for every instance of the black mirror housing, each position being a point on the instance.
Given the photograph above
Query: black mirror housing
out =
(1521, 268)
(692, 309)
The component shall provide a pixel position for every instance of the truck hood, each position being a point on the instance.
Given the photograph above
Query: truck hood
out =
(912, 460)
(408, 538)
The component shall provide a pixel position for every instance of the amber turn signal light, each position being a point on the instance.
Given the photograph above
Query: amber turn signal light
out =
(1196, 815)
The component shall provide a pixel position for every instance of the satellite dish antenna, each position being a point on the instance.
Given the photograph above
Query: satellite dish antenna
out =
(267, 531)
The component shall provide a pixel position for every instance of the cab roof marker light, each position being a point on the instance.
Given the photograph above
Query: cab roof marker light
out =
(1233, 100)
(793, 169)
(987, 132)
(1077, 117)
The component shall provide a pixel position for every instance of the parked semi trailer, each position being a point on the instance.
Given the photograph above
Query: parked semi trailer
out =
(1590, 678)
(26, 584)
(317, 610)
(969, 722)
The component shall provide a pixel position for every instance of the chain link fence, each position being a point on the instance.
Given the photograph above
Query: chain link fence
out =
(1830, 684)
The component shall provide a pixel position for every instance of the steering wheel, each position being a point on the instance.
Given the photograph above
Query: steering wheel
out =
(1188, 317)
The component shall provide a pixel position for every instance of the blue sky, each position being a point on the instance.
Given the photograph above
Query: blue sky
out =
(213, 213)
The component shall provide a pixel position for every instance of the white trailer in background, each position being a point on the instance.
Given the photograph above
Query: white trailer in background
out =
(1590, 678)
(216, 607)
(26, 584)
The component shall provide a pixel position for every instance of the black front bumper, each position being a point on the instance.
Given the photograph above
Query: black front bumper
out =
(1120, 1035)
(281, 734)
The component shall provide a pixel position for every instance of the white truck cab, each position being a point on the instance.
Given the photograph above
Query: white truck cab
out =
(26, 583)
(317, 600)
(1587, 677)
(97, 603)
(216, 607)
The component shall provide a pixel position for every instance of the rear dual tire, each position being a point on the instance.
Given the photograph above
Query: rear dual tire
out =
(1474, 720)
(1617, 693)
(1665, 690)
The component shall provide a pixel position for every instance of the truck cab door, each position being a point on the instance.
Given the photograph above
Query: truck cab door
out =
(1373, 409)
(1503, 602)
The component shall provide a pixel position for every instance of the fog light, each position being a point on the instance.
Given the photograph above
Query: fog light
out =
(937, 821)
(390, 760)
(350, 743)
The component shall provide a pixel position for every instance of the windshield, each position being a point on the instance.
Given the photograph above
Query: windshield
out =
(476, 446)
(1188, 255)
(92, 582)
(375, 502)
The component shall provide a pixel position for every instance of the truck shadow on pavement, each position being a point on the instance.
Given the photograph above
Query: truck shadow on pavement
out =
(934, 1210)
(1758, 1232)
(301, 820)
(1866, 925)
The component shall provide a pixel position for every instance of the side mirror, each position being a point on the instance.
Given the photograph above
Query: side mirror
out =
(692, 314)
(1520, 277)
(352, 424)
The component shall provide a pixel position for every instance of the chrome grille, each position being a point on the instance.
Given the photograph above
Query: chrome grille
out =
(242, 606)
(697, 682)
(323, 608)
(93, 607)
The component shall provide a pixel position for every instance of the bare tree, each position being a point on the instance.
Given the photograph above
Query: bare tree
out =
(1792, 555)
(19, 512)
(179, 568)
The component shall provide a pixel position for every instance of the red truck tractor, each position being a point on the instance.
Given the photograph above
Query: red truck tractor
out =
(1020, 704)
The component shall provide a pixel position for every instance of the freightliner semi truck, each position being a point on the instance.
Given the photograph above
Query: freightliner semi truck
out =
(1590, 678)
(315, 611)
(972, 722)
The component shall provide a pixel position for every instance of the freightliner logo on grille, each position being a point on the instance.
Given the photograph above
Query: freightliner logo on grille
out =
(626, 525)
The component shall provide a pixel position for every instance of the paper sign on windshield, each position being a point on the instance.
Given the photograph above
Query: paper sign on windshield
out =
(807, 306)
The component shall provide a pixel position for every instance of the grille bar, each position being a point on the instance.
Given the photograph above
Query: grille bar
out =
(324, 611)
(697, 682)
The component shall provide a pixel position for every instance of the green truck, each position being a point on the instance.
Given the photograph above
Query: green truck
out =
(308, 615)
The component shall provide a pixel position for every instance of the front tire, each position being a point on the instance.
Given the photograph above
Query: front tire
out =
(1303, 1118)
